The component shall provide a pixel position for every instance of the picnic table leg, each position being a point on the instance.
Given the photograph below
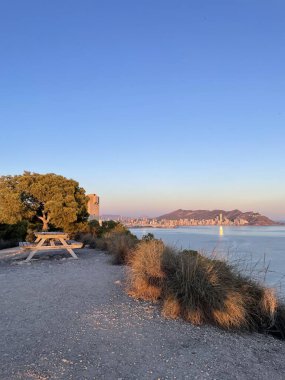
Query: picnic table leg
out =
(34, 251)
(73, 254)
(31, 255)
(63, 242)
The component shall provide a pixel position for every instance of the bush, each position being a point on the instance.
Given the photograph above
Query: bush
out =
(8, 244)
(112, 237)
(11, 234)
(96, 235)
(212, 291)
(201, 290)
(14, 232)
(101, 244)
(110, 226)
(148, 237)
(120, 246)
(94, 228)
(86, 238)
(145, 277)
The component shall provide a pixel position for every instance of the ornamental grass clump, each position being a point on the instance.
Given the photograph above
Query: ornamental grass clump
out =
(206, 290)
(121, 246)
(201, 290)
(146, 276)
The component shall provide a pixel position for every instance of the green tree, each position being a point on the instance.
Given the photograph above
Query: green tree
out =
(51, 198)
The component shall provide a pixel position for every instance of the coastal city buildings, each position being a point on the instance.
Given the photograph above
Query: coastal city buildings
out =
(180, 218)
(166, 223)
(93, 206)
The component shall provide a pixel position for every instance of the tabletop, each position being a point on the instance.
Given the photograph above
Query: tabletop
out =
(59, 234)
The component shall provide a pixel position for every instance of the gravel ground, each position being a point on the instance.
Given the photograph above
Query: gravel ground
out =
(71, 319)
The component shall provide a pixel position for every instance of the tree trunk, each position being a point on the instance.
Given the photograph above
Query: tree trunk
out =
(45, 225)
(45, 221)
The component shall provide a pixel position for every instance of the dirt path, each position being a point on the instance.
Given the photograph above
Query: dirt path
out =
(68, 319)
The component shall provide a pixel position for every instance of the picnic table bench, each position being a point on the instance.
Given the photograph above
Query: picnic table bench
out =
(50, 241)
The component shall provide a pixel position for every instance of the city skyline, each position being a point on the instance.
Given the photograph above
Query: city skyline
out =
(137, 215)
(155, 106)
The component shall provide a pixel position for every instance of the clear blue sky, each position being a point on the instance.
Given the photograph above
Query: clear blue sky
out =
(153, 104)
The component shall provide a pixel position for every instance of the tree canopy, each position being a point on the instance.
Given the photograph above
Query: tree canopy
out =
(51, 198)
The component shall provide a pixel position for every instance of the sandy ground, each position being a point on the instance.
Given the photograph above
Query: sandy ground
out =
(71, 319)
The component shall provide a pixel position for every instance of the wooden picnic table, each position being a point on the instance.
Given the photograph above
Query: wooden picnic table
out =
(50, 241)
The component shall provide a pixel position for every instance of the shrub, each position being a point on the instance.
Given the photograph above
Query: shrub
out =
(146, 276)
(97, 236)
(201, 290)
(113, 227)
(213, 291)
(30, 236)
(11, 234)
(101, 244)
(8, 244)
(148, 237)
(14, 232)
(120, 246)
(86, 238)
(94, 228)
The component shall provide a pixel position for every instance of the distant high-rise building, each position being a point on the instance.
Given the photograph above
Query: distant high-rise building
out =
(93, 206)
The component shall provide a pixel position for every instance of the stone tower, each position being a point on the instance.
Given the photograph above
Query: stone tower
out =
(93, 206)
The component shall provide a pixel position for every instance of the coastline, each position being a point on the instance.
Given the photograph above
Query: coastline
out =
(208, 225)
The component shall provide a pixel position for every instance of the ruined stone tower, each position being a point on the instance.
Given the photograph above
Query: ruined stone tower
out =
(93, 206)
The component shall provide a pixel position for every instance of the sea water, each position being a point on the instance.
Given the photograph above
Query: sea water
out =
(259, 251)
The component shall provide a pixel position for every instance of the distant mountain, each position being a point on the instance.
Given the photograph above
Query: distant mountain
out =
(253, 218)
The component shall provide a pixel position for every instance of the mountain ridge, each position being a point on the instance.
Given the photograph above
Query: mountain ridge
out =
(252, 218)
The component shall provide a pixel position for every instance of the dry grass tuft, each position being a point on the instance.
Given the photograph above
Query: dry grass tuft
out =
(196, 317)
(146, 275)
(147, 259)
(268, 302)
(141, 289)
(201, 290)
(120, 246)
(210, 290)
(171, 308)
(233, 315)
(214, 291)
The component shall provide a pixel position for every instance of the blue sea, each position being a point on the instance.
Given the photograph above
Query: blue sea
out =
(260, 251)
